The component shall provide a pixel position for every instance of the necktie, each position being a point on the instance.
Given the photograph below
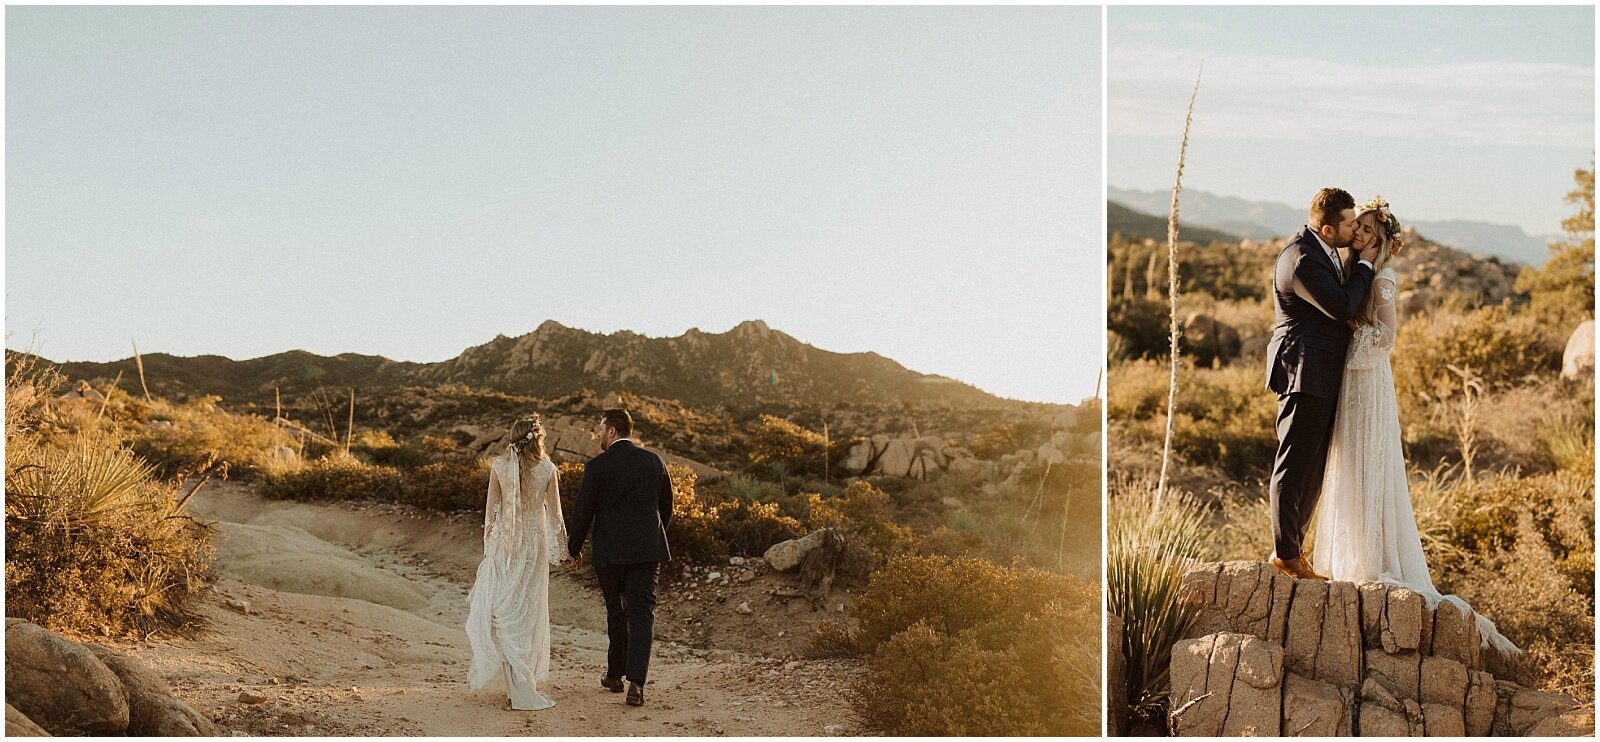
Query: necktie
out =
(1338, 268)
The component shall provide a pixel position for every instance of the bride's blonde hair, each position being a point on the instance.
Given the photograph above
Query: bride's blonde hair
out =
(518, 438)
(1386, 250)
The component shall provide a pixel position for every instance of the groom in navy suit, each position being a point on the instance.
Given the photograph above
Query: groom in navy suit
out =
(1313, 300)
(626, 498)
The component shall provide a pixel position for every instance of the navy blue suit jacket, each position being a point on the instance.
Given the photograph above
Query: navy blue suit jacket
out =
(1311, 309)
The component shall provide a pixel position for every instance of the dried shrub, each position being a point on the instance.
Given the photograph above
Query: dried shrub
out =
(447, 486)
(968, 647)
(96, 543)
(188, 435)
(334, 477)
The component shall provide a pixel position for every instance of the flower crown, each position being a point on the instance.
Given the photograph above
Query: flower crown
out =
(1386, 220)
(532, 434)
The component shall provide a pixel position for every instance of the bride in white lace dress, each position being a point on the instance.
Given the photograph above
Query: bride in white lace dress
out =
(1365, 526)
(508, 621)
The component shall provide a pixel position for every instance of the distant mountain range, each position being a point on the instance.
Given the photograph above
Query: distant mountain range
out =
(748, 366)
(1261, 220)
(1139, 225)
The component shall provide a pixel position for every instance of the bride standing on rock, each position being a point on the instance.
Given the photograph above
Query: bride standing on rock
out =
(1366, 529)
(508, 621)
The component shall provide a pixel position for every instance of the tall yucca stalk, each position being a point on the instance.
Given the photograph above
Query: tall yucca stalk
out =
(1147, 550)
(1172, 292)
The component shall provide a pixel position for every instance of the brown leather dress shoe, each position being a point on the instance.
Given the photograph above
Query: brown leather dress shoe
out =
(1298, 568)
(635, 694)
(613, 684)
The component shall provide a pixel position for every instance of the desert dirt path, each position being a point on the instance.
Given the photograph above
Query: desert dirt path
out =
(346, 620)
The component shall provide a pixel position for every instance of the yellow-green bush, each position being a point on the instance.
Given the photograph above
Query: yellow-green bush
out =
(184, 436)
(780, 446)
(96, 543)
(454, 485)
(863, 514)
(334, 477)
(968, 647)
(1500, 347)
(749, 529)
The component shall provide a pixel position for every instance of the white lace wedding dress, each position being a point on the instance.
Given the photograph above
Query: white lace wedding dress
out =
(508, 620)
(1366, 529)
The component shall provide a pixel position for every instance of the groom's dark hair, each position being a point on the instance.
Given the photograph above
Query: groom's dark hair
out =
(1327, 207)
(620, 420)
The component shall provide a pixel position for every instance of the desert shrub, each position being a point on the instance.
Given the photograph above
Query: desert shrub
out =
(1010, 436)
(447, 486)
(1502, 348)
(334, 477)
(1149, 543)
(778, 445)
(966, 647)
(1226, 419)
(692, 534)
(872, 536)
(947, 541)
(439, 445)
(95, 543)
(187, 435)
(746, 489)
(749, 529)
(379, 447)
(1142, 324)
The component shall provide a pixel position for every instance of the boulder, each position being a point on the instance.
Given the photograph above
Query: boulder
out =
(1400, 674)
(1455, 633)
(1226, 684)
(19, 725)
(1578, 723)
(61, 685)
(787, 555)
(1211, 339)
(859, 458)
(1578, 360)
(1444, 681)
(152, 709)
(1439, 720)
(895, 461)
(1530, 707)
(1481, 699)
(1313, 708)
(971, 469)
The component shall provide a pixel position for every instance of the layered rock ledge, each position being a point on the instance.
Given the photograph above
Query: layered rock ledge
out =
(1272, 655)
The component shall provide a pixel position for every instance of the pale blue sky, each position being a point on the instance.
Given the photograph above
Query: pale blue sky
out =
(1478, 113)
(919, 182)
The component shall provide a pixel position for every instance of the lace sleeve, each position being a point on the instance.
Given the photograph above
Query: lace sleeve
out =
(1383, 310)
(491, 508)
(555, 524)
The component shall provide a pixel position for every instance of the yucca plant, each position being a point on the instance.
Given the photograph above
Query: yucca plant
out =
(86, 483)
(1147, 551)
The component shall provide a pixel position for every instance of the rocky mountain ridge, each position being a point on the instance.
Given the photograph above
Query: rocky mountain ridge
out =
(750, 365)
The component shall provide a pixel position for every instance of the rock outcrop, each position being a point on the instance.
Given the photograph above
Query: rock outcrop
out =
(1271, 655)
(925, 457)
(1578, 359)
(58, 686)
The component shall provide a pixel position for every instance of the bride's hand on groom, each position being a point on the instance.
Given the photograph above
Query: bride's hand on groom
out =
(570, 562)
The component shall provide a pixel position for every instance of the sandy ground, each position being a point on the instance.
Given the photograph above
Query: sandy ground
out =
(347, 621)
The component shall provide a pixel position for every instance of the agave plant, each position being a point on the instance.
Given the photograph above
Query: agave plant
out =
(1147, 551)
